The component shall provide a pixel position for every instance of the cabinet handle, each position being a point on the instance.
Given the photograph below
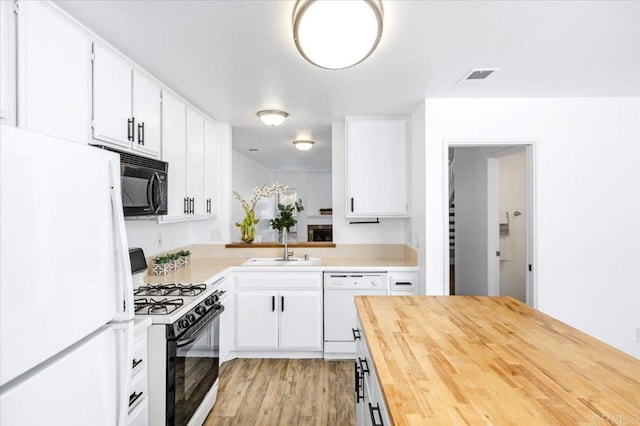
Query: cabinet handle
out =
(282, 303)
(364, 369)
(184, 204)
(373, 417)
(273, 303)
(141, 134)
(208, 205)
(136, 362)
(359, 383)
(192, 208)
(130, 125)
(134, 397)
(351, 204)
(356, 334)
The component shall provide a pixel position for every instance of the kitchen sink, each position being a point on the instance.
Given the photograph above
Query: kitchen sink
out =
(293, 261)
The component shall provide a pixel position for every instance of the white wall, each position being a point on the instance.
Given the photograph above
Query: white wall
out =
(246, 175)
(297, 181)
(318, 193)
(587, 228)
(387, 231)
(415, 229)
(513, 247)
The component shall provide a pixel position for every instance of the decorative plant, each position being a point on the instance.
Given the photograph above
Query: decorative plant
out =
(161, 260)
(248, 224)
(183, 253)
(286, 219)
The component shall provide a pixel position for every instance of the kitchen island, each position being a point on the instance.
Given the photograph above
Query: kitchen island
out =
(471, 360)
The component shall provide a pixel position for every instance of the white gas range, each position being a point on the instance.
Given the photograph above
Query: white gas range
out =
(183, 345)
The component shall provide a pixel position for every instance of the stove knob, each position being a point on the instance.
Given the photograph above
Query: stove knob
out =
(183, 323)
(201, 310)
(191, 318)
(209, 301)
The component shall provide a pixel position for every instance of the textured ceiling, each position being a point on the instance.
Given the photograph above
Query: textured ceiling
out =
(233, 58)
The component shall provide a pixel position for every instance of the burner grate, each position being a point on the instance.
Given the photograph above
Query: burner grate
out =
(170, 290)
(152, 306)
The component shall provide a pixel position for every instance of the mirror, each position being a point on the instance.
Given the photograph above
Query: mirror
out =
(266, 155)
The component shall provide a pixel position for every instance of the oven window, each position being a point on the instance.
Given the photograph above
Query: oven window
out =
(196, 370)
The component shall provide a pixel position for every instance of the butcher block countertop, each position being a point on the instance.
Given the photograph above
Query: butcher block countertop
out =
(471, 360)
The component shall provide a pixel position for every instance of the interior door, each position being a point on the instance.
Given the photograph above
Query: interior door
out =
(60, 257)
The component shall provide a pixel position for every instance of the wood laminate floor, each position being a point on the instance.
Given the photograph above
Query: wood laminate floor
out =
(284, 392)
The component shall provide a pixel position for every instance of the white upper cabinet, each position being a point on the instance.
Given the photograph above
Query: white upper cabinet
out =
(174, 152)
(7, 63)
(55, 73)
(146, 112)
(126, 104)
(195, 161)
(111, 98)
(376, 167)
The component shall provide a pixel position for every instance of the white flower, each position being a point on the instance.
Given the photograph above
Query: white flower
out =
(260, 192)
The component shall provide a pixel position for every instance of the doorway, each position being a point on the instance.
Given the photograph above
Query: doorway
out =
(490, 211)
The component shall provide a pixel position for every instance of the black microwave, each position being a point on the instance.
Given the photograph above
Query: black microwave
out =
(143, 184)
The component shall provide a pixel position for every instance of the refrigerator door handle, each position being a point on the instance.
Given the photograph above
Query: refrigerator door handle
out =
(126, 283)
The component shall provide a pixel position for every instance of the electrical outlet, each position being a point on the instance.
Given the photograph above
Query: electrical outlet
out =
(159, 240)
(637, 335)
(215, 235)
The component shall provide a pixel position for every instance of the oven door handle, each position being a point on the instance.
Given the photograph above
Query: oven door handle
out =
(185, 342)
(191, 335)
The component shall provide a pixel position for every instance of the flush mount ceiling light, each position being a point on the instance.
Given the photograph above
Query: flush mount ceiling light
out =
(303, 145)
(272, 117)
(336, 34)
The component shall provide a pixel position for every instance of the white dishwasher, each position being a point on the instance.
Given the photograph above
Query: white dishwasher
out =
(340, 310)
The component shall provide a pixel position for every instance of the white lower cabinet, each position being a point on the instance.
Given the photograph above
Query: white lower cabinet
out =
(138, 389)
(370, 405)
(279, 312)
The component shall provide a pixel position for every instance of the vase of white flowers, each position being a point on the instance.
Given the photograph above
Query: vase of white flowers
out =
(248, 224)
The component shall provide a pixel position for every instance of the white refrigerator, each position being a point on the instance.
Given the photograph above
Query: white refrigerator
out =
(66, 297)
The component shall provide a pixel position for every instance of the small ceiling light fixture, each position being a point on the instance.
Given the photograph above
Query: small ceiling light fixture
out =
(336, 34)
(272, 117)
(303, 145)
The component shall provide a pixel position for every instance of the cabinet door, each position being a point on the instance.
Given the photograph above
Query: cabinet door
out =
(300, 320)
(211, 165)
(174, 131)
(257, 324)
(55, 73)
(376, 167)
(195, 161)
(228, 327)
(147, 112)
(111, 98)
(7, 63)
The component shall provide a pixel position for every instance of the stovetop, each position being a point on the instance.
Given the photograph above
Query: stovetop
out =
(167, 303)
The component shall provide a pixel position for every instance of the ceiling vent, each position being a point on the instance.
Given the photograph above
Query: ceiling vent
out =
(477, 75)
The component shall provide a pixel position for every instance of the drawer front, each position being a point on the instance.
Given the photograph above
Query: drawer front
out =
(139, 416)
(275, 280)
(138, 391)
(139, 362)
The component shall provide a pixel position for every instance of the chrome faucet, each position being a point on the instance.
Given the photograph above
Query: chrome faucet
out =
(285, 241)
